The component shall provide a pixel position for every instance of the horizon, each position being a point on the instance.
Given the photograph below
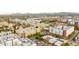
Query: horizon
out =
(38, 13)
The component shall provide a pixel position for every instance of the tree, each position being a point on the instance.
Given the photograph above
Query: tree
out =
(14, 28)
(66, 44)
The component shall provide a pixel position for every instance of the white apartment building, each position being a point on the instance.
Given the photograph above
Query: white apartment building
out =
(10, 39)
(62, 30)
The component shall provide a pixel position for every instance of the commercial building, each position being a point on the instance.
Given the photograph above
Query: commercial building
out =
(53, 40)
(62, 30)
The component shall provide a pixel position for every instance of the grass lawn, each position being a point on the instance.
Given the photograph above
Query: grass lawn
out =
(37, 36)
(72, 36)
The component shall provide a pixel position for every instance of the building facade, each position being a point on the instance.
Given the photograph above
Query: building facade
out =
(62, 30)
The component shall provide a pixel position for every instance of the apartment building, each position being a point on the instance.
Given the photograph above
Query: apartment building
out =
(28, 31)
(62, 30)
(10, 39)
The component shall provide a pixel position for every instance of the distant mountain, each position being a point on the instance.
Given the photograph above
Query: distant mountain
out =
(45, 14)
(66, 14)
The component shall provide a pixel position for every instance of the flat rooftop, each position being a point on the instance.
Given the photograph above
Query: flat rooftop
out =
(64, 27)
(26, 30)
